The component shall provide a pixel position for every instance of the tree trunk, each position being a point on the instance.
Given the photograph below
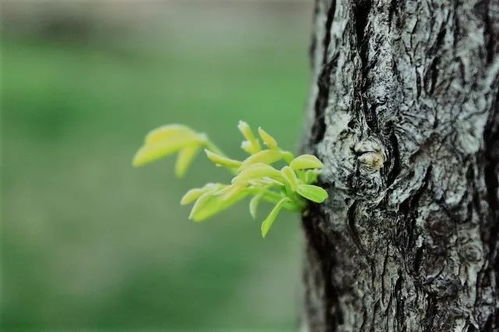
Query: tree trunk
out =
(404, 113)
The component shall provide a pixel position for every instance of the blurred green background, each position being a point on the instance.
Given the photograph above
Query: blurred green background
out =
(90, 242)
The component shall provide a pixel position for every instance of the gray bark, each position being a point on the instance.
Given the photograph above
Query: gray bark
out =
(404, 113)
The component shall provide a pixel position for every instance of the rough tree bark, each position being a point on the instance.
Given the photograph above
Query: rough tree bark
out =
(404, 113)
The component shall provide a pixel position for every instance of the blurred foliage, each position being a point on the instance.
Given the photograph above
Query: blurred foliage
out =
(88, 241)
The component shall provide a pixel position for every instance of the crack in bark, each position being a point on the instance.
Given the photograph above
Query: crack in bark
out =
(409, 210)
(431, 312)
(323, 83)
(399, 308)
(331, 316)
(394, 160)
(360, 13)
(488, 32)
(351, 225)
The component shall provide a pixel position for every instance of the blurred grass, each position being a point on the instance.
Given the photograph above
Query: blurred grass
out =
(89, 241)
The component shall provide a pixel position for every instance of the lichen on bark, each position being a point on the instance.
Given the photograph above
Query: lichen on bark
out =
(404, 112)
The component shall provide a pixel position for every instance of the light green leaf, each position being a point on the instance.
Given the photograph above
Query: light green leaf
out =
(257, 171)
(287, 156)
(184, 159)
(232, 191)
(267, 138)
(310, 176)
(153, 151)
(222, 160)
(167, 132)
(206, 206)
(267, 223)
(253, 205)
(313, 193)
(166, 140)
(246, 146)
(252, 145)
(290, 176)
(264, 156)
(306, 161)
(215, 201)
(191, 196)
(265, 182)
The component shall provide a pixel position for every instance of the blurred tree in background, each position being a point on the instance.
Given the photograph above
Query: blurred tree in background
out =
(89, 242)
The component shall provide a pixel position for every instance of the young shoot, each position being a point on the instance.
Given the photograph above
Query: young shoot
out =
(257, 176)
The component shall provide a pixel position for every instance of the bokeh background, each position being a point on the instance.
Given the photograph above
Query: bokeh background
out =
(90, 242)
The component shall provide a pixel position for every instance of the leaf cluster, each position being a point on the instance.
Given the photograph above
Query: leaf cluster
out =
(256, 176)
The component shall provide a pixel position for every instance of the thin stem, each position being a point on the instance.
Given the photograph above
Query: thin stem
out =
(274, 198)
(213, 148)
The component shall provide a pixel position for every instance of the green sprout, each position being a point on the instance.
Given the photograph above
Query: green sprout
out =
(286, 188)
